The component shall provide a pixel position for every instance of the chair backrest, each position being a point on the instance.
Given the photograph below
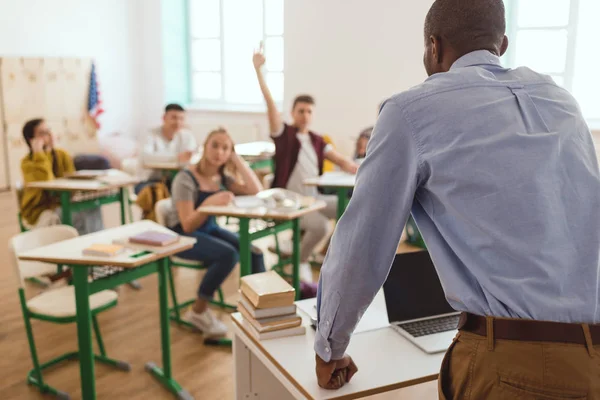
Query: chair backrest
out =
(37, 238)
(161, 208)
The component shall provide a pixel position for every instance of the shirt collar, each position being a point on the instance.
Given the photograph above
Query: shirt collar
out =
(478, 57)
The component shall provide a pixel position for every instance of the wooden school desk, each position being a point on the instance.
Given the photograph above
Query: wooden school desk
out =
(283, 221)
(280, 369)
(135, 264)
(83, 194)
(340, 181)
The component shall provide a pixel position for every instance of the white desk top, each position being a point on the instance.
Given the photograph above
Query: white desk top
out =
(333, 179)
(255, 149)
(386, 361)
(113, 179)
(252, 150)
(262, 212)
(71, 251)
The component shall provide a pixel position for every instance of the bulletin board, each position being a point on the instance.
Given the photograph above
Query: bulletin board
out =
(55, 89)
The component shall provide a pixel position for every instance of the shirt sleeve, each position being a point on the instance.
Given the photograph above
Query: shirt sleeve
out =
(189, 142)
(364, 244)
(37, 167)
(328, 148)
(183, 188)
(279, 132)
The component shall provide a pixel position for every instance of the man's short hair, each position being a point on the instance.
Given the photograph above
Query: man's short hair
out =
(174, 107)
(468, 25)
(303, 98)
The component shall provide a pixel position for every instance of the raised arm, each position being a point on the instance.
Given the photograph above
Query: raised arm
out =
(275, 121)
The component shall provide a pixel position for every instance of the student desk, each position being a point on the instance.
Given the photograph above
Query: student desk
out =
(279, 369)
(135, 264)
(83, 194)
(283, 221)
(340, 181)
(258, 154)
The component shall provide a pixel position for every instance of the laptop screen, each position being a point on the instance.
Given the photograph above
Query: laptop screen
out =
(413, 289)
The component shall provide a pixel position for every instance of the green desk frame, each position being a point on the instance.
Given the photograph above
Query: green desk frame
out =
(83, 290)
(69, 207)
(247, 237)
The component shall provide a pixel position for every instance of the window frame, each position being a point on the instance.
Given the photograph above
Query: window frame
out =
(221, 105)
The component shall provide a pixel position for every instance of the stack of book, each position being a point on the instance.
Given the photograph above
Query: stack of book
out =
(267, 307)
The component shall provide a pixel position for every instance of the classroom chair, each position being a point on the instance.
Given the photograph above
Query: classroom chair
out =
(161, 208)
(55, 305)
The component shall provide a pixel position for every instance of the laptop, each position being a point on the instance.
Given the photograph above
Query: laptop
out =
(416, 303)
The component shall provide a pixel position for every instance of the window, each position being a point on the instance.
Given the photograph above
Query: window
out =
(558, 38)
(223, 35)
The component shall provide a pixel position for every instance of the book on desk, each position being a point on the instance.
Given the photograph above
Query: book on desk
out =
(267, 307)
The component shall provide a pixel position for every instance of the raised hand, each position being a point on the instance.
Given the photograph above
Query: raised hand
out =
(259, 57)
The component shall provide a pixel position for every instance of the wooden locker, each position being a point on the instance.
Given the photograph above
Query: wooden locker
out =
(55, 76)
(77, 82)
(4, 171)
(23, 89)
(17, 149)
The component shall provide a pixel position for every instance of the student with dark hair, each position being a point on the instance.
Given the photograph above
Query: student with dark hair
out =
(166, 143)
(299, 155)
(43, 163)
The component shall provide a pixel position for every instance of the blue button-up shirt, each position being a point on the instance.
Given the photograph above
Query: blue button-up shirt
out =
(499, 170)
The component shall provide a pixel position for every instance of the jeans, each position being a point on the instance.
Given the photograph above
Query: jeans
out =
(218, 249)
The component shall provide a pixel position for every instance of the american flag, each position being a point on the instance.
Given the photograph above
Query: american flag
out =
(94, 102)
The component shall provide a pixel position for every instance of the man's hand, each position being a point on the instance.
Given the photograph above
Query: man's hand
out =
(259, 57)
(184, 157)
(350, 167)
(37, 145)
(336, 373)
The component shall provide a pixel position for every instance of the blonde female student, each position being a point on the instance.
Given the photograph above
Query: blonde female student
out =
(43, 163)
(214, 180)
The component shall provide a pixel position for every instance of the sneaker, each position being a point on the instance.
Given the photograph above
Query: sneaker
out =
(306, 274)
(207, 322)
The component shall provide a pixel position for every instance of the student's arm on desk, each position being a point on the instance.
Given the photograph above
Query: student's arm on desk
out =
(183, 190)
(366, 238)
(345, 163)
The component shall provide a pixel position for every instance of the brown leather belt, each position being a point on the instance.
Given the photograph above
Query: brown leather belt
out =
(529, 330)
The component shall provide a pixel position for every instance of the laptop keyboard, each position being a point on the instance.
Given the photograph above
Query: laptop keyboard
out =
(431, 326)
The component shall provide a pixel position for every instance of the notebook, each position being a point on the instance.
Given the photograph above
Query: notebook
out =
(267, 290)
(265, 312)
(86, 174)
(103, 250)
(154, 238)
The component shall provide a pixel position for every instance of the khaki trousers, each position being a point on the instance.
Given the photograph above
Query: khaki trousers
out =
(475, 368)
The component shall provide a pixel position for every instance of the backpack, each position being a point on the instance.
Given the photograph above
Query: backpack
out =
(149, 196)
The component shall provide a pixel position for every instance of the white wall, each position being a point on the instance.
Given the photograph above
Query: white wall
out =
(350, 55)
(79, 28)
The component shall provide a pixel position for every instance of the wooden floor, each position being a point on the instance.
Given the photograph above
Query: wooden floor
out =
(131, 333)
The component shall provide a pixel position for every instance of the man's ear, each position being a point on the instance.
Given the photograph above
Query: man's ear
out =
(504, 46)
(436, 48)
